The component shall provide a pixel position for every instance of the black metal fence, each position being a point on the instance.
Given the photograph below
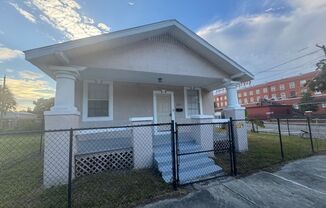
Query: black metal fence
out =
(123, 165)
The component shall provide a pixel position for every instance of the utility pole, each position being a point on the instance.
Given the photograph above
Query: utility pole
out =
(4, 82)
(322, 47)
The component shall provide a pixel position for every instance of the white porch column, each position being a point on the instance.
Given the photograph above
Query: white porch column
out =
(237, 112)
(142, 142)
(63, 115)
(204, 134)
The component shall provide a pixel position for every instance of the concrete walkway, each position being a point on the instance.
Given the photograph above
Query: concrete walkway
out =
(298, 184)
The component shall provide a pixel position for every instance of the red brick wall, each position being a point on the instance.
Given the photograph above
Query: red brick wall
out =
(220, 100)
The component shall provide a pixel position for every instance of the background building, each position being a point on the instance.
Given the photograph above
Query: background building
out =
(285, 91)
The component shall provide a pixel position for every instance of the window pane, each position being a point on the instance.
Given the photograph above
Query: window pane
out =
(98, 91)
(97, 108)
(193, 102)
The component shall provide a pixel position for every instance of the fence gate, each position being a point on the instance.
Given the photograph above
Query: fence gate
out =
(202, 151)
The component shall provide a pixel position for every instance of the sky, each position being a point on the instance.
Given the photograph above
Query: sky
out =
(261, 35)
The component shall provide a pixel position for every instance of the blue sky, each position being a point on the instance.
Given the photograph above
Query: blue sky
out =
(258, 34)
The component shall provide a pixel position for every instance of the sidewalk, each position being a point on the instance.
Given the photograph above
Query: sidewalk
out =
(298, 184)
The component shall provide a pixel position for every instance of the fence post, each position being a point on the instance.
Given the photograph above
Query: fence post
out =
(70, 168)
(177, 152)
(310, 135)
(235, 171)
(287, 123)
(173, 152)
(280, 136)
(230, 149)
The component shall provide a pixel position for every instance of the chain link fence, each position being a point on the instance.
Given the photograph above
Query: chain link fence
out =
(124, 165)
(204, 151)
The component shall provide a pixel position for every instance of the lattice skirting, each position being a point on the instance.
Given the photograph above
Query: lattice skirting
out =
(93, 163)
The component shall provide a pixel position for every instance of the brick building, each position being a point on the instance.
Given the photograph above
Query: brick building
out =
(285, 91)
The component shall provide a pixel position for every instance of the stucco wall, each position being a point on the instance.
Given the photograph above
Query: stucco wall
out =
(136, 100)
(160, 54)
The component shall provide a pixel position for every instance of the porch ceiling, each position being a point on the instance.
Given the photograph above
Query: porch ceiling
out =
(151, 78)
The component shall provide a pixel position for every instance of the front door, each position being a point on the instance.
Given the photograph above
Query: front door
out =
(163, 108)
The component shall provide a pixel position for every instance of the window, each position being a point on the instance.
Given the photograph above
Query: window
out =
(317, 93)
(192, 102)
(217, 99)
(245, 94)
(303, 91)
(245, 101)
(252, 99)
(295, 106)
(258, 91)
(218, 105)
(323, 105)
(258, 98)
(97, 101)
(251, 92)
(292, 94)
(225, 97)
(303, 83)
(291, 85)
(225, 103)
(283, 95)
(282, 87)
(265, 90)
(239, 94)
(273, 88)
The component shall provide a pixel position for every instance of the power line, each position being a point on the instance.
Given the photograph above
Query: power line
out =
(293, 69)
(289, 61)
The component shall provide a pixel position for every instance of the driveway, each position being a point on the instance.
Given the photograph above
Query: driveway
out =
(298, 184)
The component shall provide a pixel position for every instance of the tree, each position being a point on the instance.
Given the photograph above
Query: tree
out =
(7, 101)
(42, 104)
(307, 102)
(319, 82)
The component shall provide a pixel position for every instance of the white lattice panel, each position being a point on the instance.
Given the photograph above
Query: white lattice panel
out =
(99, 162)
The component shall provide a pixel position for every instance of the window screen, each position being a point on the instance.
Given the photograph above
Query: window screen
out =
(193, 103)
(98, 100)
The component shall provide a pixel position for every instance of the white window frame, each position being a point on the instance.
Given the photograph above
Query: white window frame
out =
(265, 90)
(85, 101)
(282, 87)
(186, 101)
(292, 85)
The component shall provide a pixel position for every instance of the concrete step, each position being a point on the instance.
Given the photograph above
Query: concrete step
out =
(183, 148)
(187, 165)
(191, 166)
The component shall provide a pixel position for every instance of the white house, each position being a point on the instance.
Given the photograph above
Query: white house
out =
(152, 73)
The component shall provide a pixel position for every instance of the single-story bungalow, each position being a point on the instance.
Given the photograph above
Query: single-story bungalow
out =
(149, 74)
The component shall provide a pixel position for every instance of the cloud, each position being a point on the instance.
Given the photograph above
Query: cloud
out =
(7, 54)
(26, 91)
(24, 13)
(29, 75)
(131, 3)
(103, 27)
(263, 40)
(65, 16)
(9, 70)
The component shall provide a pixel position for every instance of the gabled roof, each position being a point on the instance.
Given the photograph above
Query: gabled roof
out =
(39, 56)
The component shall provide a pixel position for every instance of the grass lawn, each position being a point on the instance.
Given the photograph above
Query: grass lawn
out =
(264, 151)
(21, 181)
